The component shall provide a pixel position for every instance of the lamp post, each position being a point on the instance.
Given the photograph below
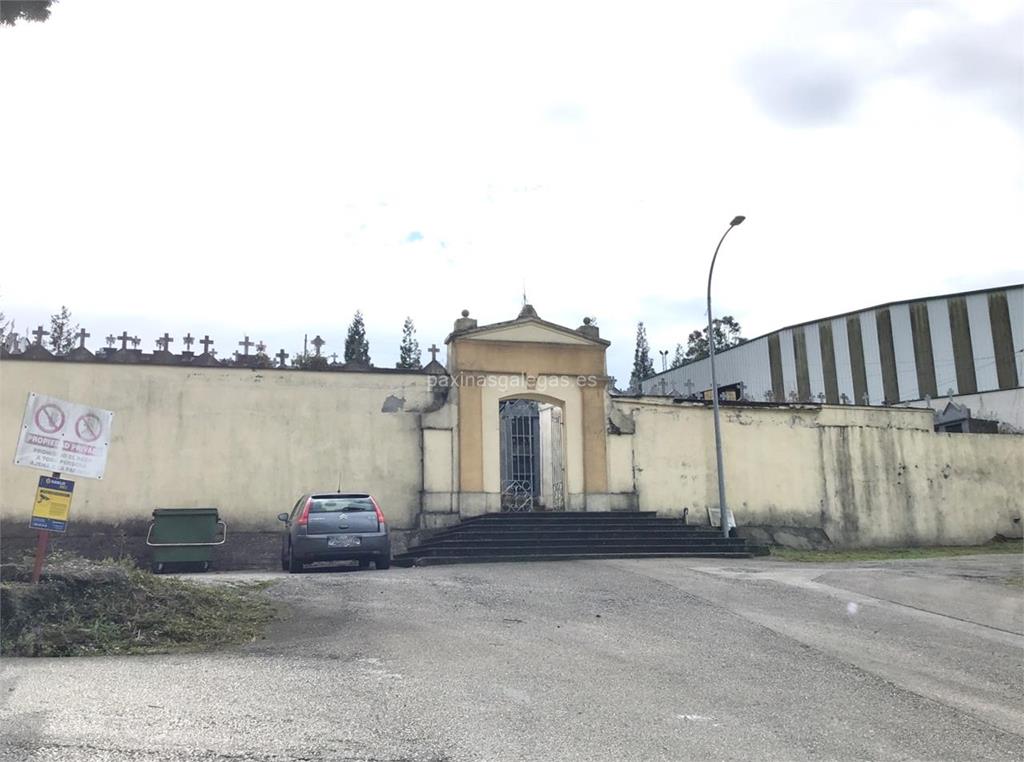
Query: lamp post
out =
(723, 510)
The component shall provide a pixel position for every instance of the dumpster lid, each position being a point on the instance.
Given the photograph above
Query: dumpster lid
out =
(184, 512)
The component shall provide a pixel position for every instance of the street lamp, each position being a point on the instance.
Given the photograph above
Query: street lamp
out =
(723, 510)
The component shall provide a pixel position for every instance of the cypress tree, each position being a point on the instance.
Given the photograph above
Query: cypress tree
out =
(357, 348)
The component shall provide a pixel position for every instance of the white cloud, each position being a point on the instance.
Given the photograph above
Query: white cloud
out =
(248, 171)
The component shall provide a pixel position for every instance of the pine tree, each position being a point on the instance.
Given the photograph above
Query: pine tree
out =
(680, 356)
(62, 333)
(409, 351)
(643, 367)
(357, 348)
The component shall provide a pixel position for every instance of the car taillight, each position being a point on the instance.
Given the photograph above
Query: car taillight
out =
(304, 516)
(380, 515)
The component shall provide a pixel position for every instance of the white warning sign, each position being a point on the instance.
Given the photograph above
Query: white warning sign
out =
(62, 436)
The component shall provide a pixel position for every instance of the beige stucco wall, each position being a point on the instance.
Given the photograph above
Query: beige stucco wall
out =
(851, 472)
(247, 442)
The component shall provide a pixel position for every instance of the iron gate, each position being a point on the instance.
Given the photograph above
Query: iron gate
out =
(520, 454)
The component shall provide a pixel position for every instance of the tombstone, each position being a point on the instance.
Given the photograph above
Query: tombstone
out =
(434, 367)
(80, 353)
(124, 354)
(209, 356)
(188, 340)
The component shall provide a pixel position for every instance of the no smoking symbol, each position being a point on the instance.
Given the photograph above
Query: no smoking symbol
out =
(88, 427)
(50, 419)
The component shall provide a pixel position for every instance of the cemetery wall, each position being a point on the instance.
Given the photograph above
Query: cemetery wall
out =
(246, 441)
(860, 476)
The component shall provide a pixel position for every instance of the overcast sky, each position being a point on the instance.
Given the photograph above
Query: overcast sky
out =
(268, 168)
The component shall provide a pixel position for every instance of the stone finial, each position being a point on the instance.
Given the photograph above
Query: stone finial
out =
(588, 329)
(528, 312)
(465, 322)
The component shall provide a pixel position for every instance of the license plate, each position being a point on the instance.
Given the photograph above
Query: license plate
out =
(343, 541)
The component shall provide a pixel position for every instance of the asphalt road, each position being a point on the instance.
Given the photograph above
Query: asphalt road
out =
(614, 660)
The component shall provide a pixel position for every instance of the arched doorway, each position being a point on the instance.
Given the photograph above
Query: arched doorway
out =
(532, 455)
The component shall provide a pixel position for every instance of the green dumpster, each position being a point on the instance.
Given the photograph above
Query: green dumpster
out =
(183, 539)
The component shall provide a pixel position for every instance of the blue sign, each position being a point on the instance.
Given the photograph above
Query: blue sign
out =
(53, 504)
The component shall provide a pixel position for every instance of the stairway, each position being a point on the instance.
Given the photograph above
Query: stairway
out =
(497, 537)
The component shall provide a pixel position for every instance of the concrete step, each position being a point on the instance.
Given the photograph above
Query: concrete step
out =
(412, 559)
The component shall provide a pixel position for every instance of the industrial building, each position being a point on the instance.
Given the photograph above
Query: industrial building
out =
(966, 347)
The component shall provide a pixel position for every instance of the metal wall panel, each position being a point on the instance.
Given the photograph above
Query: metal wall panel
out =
(981, 341)
(815, 369)
(1015, 302)
(872, 359)
(963, 354)
(921, 340)
(844, 371)
(788, 362)
(942, 347)
(903, 347)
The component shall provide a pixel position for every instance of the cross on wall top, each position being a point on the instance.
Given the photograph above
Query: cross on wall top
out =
(207, 342)
(39, 333)
(188, 340)
(245, 346)
(124, 338)
(317, 343)
(433, 352)
(282, 356)
(82, 336)
(164, 341)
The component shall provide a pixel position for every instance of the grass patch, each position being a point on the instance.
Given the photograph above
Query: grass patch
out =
(888, 554)
(84, 608)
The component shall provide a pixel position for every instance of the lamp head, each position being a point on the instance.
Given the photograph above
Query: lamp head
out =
(737, 220)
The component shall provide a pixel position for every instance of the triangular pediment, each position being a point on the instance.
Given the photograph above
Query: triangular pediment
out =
(529, 330)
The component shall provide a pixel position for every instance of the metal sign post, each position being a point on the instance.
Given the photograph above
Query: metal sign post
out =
(49, 514)
(60, 437)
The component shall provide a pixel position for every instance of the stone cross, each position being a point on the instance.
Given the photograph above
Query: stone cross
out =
(39, 333)
(124, 338)
(188, 341)
(768, 396)
(433, 352)
(334, 357)
(261, 348)
(689, 389)
(866, 398)
(82, 336)
(821, 397)
(111, 340)
(213, 353)
(135, 342)
(282, 356)
(317, 343)
(206, 341)
(245, 346)
(844, 399)
(164, 341)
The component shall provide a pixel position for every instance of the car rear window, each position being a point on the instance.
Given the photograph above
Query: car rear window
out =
(335, 504)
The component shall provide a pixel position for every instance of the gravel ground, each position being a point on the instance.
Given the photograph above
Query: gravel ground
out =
(600, 660)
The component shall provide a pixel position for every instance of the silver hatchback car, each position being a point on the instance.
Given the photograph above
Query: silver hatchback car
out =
(335, 526)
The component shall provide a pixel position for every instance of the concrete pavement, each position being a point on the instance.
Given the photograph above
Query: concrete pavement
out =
(616, 660)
